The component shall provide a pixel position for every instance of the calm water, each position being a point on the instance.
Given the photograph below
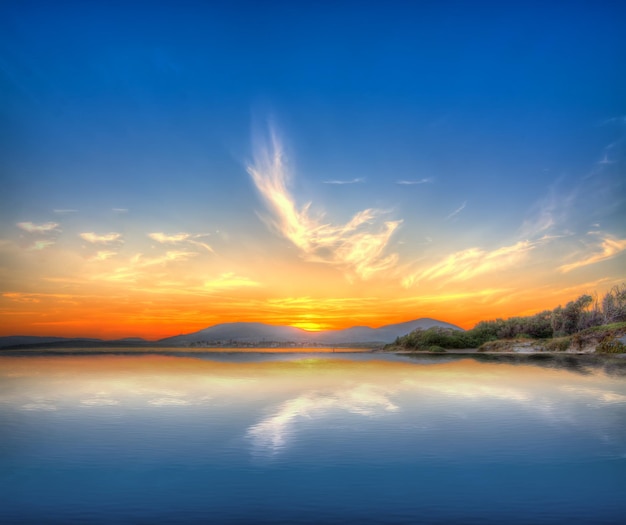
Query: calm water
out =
(311, 438)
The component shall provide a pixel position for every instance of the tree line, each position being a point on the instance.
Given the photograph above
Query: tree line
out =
(585, 312)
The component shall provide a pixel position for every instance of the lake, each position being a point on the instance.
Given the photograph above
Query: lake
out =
(279, 437)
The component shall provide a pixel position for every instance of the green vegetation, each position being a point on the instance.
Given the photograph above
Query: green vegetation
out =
(580, 325)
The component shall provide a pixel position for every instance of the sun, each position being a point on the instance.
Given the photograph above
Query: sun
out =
(308, 326)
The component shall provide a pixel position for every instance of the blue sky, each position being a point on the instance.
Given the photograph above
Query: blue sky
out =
(464, 126)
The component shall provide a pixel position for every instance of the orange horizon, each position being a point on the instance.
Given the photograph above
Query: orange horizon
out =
(131, 321)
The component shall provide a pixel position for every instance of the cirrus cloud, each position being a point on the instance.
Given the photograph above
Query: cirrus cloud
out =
(181, 237)
(466, 264)
(358, 246)
(46, 227)
(101, 239)
(609, 248)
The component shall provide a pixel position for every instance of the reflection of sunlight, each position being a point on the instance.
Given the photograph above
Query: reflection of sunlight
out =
(272, 433)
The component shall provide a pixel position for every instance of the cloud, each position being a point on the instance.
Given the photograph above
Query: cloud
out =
(413, 182)
(466, 264)
(101, 239)
(44, 228)
(64, 212)
(230, 280)
(181, 237)
(609, 248)
(457, 211)
(119, 210)
(352, 181)
(551, 211)
(132, 271)
(358, 246)
(103, 255)
(41, 245)
(173, 255)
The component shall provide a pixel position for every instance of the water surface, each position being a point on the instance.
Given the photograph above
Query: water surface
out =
(310, 438)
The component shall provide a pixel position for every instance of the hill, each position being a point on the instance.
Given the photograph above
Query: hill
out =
(256, 333)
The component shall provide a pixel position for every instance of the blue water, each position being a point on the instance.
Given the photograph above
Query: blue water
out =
(311, 438)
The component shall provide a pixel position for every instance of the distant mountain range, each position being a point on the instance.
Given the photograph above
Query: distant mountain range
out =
(241, 334)
(254, 333)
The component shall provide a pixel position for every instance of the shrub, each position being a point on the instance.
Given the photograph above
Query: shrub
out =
(611, 346)
(558, 344)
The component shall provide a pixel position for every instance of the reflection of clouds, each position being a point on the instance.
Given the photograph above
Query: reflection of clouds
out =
(604, 396)
(39, 407)
(168, 401)
(477, 391)
(272, 433)
(99, 402)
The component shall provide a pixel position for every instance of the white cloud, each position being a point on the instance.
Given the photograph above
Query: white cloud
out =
(64, 211)
(358, 245)
(229, 280)
(457, 211)
(41, 245)
(103, 255)
(466, 264)
(43, 228)
(181, 237)
(413, 182)
(101, 239)
(609, 248)
(340, 182)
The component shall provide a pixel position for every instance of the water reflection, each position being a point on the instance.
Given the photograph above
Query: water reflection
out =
(339, 437)
(272, 433)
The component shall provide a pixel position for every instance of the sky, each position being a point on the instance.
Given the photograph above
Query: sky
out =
(169, 166)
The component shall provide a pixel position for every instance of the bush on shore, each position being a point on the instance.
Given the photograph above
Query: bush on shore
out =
(576, 324)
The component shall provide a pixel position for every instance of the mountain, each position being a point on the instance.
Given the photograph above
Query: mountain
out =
(237, 333)
(15, 340)
(255, 333)
(31, 341)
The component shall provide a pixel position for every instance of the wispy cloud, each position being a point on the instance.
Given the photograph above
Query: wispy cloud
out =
(46, 227)
(65, 211)
(42, 244)
(134, 269)
(119, 210)
(47, 232)
(466, 264)
(173, 255)
(101, 239)
(351, 181)
(181, 237)
(229, 280)
(413, 182)
(103, 255)
(608, 248)
(358, 245)
(457, 211)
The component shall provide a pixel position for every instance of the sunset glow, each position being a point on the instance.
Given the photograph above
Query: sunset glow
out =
(310, 169)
